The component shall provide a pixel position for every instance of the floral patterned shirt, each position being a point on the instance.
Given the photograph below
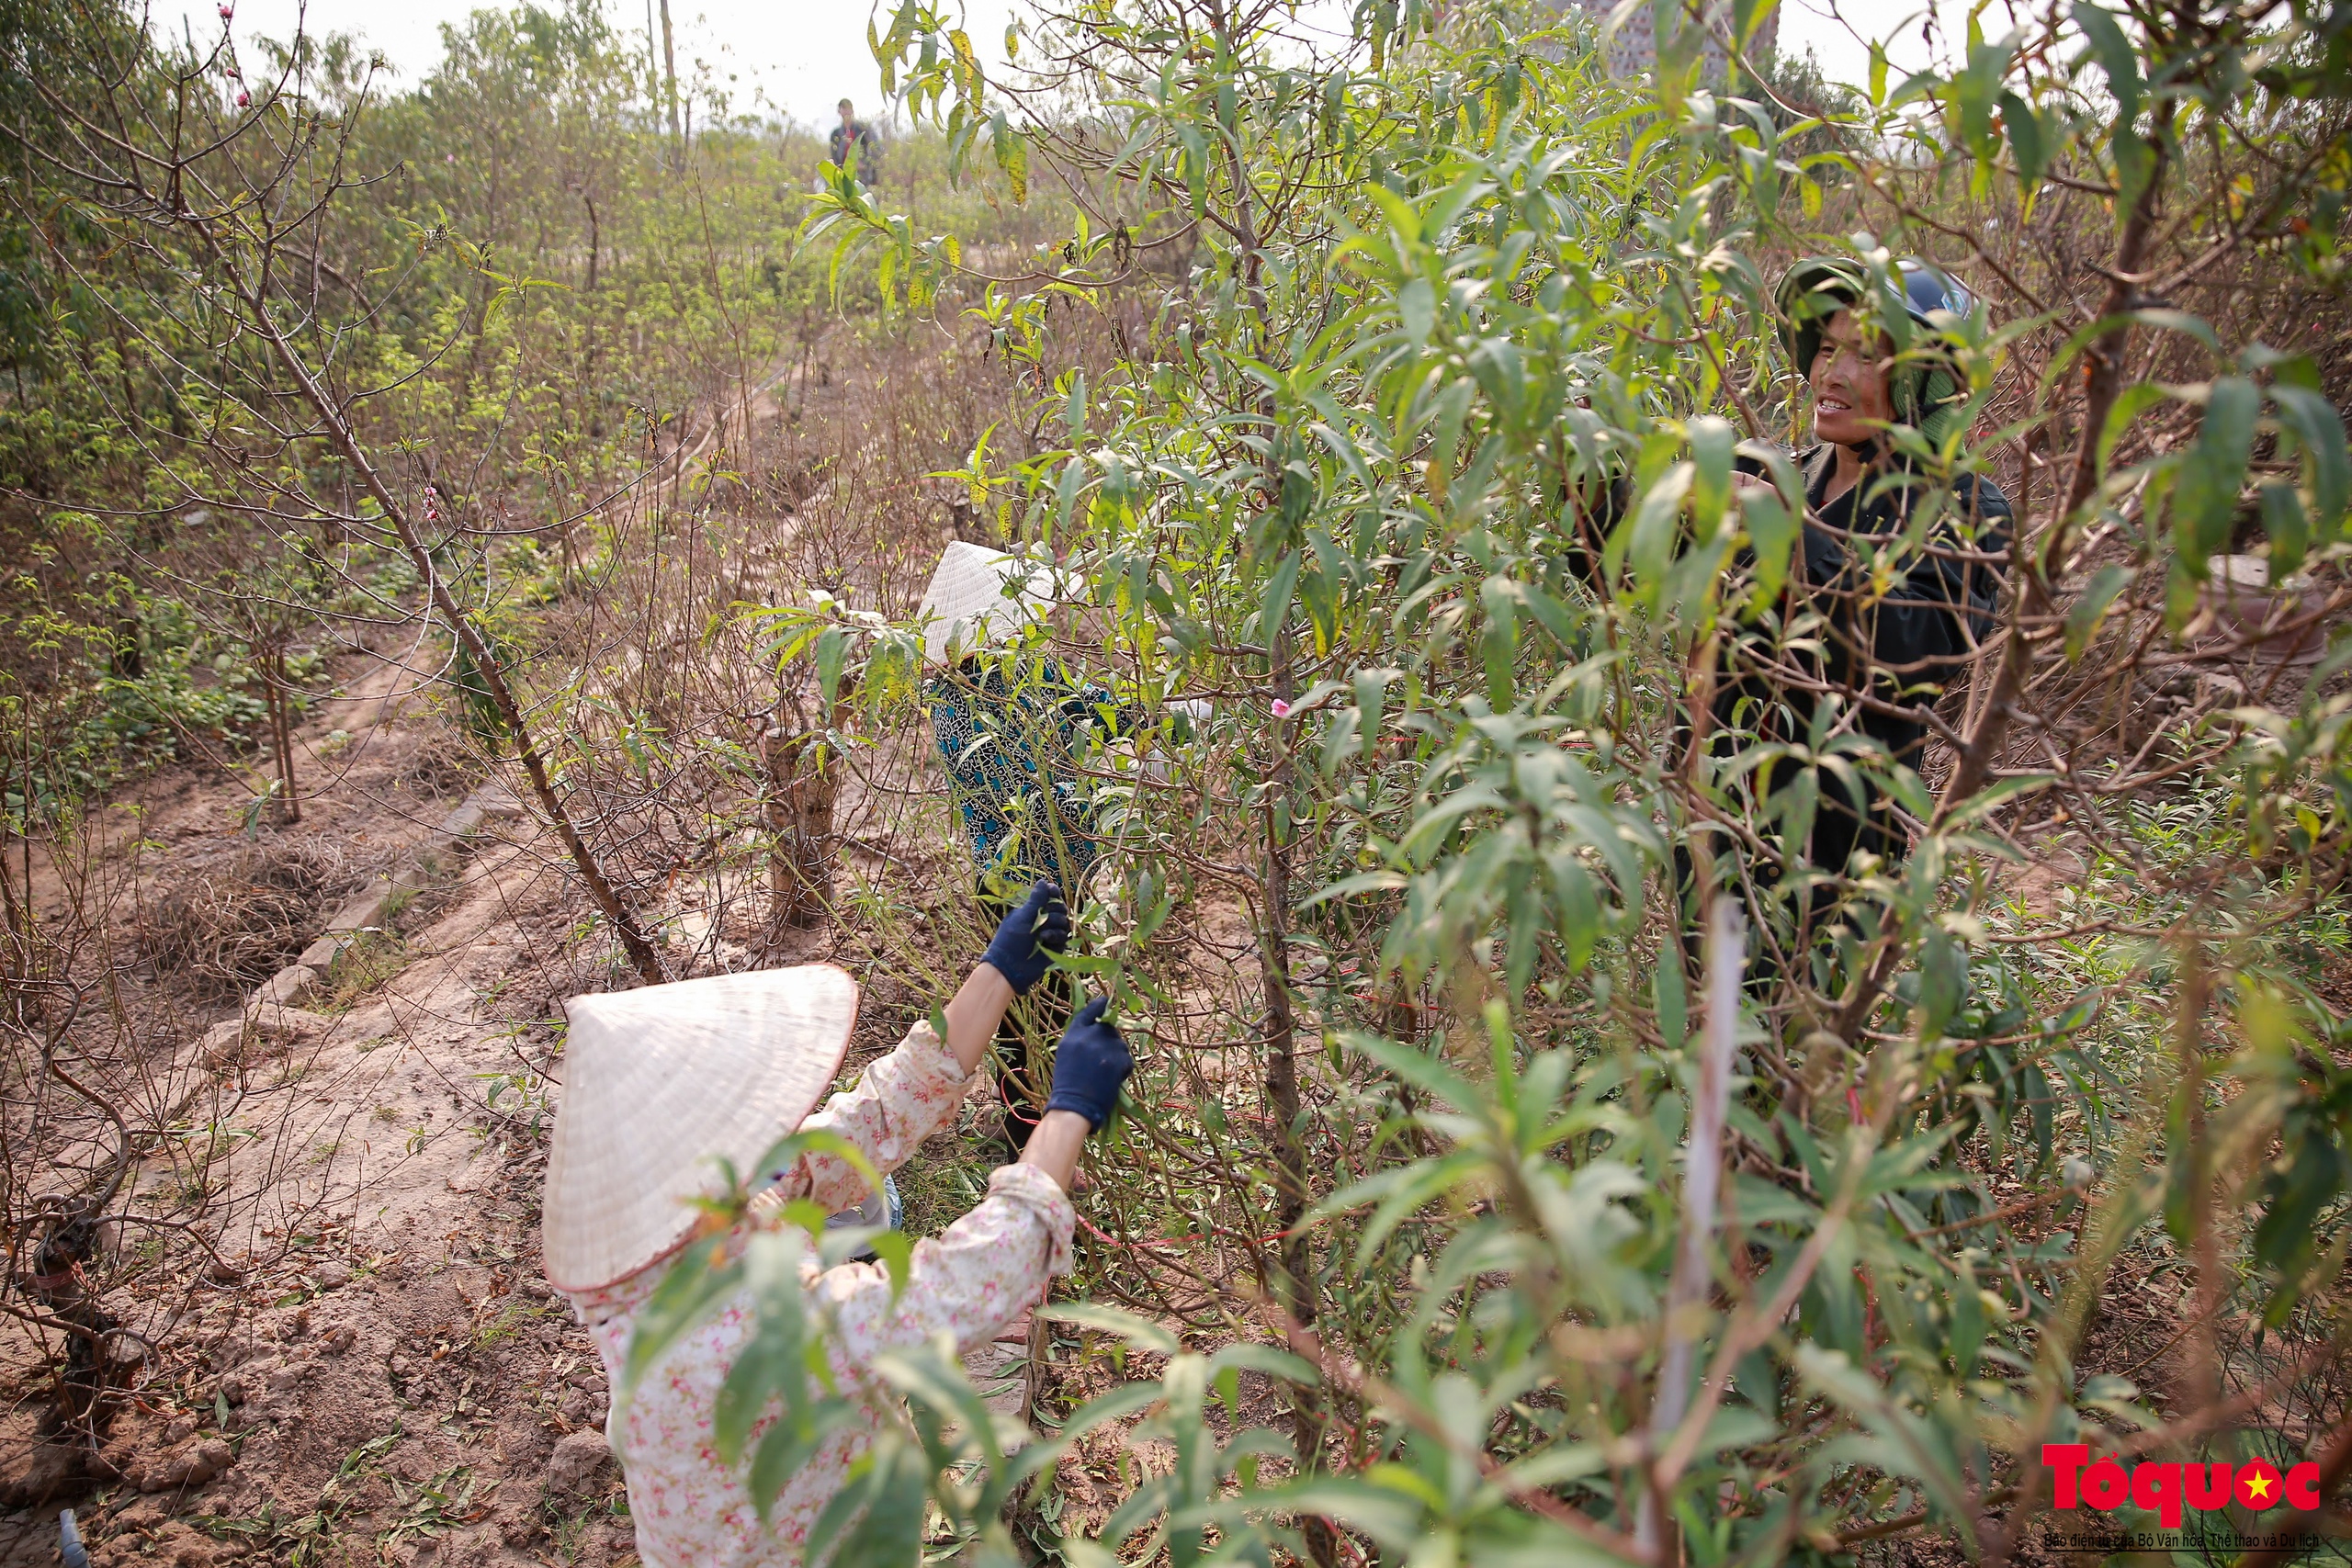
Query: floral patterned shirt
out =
(694, 1512)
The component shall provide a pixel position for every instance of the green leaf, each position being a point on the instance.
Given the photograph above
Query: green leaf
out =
(2205, 497)
(2028, 144)
(2288, 529)
(2319, 430)
(1339, 741)
(1559, 1463)
(2117, 58)
(1943, 982)
(787, 1446)
(1452, 411)
(1772, 534)
(1274, 608)
(689, 1288)
(877, 1520)
(1246, 1357)
(2180, 593)
(2160, 319)
(1424, 1072)
(2083, 618)
(1561, 621)
(1371, 697)
(1115, 1405)
(1362, 882)
(2128, 405)
(1432, 825)
(1417, 307)
(1412, 1189)
(1012, 149)
(1899, 1442)
(1066, 489)
(896, 1251)
(2302, 1184)
(1646, 542)
(1669, 991)
(1140, 1331)
(968, 65)
(786, 1153)
(2135, 166)
(931, 1377)
(1712, 441)
(1498, 640)
(1977, 806)
(833, 653)
(1390, 1516)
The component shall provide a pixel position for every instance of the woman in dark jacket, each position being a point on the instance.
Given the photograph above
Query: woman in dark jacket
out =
(1894, 584)
(1901, 608)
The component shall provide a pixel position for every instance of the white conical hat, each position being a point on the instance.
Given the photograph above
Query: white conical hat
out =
(975, 587)
(661, 1083)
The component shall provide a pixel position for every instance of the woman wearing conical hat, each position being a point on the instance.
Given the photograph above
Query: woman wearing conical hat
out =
(1013, 729)
(664, 1083)
(1009, 727)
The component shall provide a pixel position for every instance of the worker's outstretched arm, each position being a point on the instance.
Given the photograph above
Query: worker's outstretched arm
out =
(1017, 958)
(988, 1267)
(912, 1093)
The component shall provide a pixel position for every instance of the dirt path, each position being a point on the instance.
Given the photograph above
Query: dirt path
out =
(383, 1376)
(392, 1381)
(378, 1374)
(395, 1388)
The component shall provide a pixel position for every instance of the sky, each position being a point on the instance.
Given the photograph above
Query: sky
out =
(801, 56)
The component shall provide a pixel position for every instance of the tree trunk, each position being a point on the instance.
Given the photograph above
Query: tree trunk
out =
(641, 953)
(595, 238)
(273, 676)
(588, 375)
(801, 795)
(670, 92)
(1296, 1281)
(1295, 1284)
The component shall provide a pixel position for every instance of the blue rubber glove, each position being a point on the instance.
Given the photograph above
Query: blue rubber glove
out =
(1021, 950)
(1089, 1066)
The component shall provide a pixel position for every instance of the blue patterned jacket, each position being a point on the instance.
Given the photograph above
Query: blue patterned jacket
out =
(1012, 748)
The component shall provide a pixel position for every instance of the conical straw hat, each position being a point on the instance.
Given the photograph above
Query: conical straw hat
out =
(661, 1083)
(968, 593)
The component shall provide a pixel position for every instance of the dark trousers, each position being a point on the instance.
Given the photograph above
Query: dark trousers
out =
(1040, 1017)
(1841, 824)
